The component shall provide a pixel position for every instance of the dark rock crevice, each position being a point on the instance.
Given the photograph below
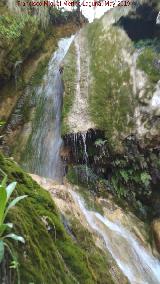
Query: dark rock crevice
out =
(74, 144)
(141, 23)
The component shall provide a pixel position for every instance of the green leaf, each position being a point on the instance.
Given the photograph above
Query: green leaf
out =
(3, 227)
(9, 225)
(3, 184)
(100, 142)
(10, 188)
(14, 264)
(3, 201)
(1, 250)
(15, 237)
(14, 202)
(2, 123)
(124, 174)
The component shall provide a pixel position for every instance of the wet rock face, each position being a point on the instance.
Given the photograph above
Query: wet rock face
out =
(75, 143)
(66, 154)
(156, 232)
(147, 112)
(133, 174)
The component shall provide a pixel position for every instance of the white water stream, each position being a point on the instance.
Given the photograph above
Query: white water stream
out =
(43, 148)
(139, 266)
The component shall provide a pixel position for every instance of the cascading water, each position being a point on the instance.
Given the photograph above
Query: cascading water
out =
(139, 266)
(85, 155)
(42, 154)
(85, 147)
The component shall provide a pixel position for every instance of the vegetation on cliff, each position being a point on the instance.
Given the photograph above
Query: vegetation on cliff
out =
(111, 103)
(19, 36)
(148, 62)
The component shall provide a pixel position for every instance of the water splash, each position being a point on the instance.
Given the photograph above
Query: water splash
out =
(139, 266)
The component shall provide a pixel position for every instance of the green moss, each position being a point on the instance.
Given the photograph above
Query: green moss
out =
(110, 92)
(11, 26)
(69, 78)
(49, 255)
(146, 62)
(97, 260)
(20, 36)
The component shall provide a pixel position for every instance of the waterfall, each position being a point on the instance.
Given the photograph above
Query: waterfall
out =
(42, 155)
(138, 264)
(158, 19)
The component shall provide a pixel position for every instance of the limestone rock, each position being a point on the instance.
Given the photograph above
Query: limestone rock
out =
(156, 232)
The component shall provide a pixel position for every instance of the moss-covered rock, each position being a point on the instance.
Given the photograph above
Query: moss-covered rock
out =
(49, 255)
(20, 35)
(69, 78)
(111, 103)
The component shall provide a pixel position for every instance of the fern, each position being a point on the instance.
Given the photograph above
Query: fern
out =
(145, 178)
